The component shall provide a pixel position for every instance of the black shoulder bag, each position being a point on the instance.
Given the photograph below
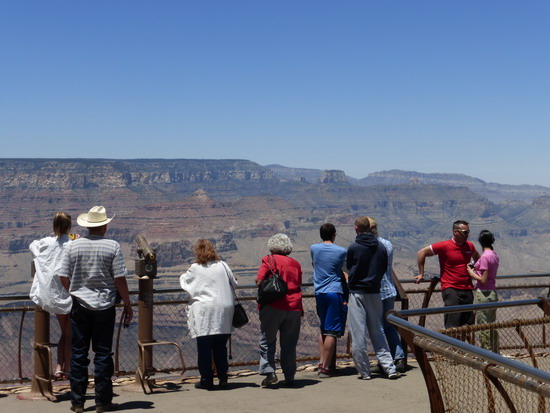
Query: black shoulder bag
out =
(239, 315)
(274, 287)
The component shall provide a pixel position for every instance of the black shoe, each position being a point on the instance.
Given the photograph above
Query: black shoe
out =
(223, 384)
(288, 383)
(109, 407)
(377, 369)
(77, 409)
(269, 380)
(201, 386)
(400, 365)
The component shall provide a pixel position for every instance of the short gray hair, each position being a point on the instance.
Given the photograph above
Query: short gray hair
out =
(279, 244)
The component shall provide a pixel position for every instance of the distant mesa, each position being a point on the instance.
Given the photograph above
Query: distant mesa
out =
(333, 177)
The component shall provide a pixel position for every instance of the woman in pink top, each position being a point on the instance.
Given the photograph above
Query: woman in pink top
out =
(485, 272)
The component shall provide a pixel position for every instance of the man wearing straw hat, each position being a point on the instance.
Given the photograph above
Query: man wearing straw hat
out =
(93, 270)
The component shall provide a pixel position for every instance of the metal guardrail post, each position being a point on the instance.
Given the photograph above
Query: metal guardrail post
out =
(427, 297)
(146, 270)
(402, 296)
(41, 384)
(145, 323)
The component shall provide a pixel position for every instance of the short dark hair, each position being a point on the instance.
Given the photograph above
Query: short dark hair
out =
(486, 238)
(459, 222)
(327, 231)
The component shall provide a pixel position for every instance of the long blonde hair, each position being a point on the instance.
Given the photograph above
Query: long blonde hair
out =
(373, 226)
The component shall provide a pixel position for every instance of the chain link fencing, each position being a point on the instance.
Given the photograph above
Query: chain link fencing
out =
(510, 375)
(170, 324)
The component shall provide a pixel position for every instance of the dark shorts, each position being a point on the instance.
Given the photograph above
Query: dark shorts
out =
(453, 296)
(332, 313)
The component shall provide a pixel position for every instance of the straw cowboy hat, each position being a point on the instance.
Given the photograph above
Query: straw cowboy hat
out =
(96, 217)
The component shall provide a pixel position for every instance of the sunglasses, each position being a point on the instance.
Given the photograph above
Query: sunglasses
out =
(463, 231)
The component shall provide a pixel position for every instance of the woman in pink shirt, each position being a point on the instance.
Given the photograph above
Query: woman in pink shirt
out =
(484, 272)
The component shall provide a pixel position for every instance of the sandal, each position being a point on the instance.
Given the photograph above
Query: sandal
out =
(325, 373)
(61, 375)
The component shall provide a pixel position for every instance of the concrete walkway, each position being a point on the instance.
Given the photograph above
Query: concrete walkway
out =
(342, 393)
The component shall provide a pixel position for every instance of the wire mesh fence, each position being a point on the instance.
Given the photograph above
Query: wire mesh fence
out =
(509, 375)
(467, 385)
(170, 324)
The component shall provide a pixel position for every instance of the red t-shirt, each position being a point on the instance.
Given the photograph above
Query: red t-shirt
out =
(453, 260)
(291, 272)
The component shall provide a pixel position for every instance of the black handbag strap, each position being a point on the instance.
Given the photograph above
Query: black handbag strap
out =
(272, 264)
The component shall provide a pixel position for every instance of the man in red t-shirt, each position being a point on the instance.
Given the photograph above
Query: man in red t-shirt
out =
(456, 285)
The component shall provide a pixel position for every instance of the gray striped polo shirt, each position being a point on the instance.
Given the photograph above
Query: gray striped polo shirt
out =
(92, 263)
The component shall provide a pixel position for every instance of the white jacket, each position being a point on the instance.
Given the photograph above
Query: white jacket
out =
(211, 304)
(47, 290)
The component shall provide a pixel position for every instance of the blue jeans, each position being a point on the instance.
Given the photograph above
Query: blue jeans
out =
(365, 315)
(394, 341)
(208, 347)
(96, 327)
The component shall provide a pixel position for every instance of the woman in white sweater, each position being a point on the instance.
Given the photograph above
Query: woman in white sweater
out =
(209, 282)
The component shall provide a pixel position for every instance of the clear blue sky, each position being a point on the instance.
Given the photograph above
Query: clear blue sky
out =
(362, 86)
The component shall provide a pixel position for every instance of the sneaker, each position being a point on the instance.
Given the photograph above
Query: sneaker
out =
(270, 379)
(223, 384)
(109, 407)
(77, 409)
(393, 376)
(325, 373)
(364, 377)
(400, 365)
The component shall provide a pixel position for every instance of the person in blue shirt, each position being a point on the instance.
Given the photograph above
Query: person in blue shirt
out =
(329, 282)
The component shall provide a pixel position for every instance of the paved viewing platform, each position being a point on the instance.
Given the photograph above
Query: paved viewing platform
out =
(342, 393)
